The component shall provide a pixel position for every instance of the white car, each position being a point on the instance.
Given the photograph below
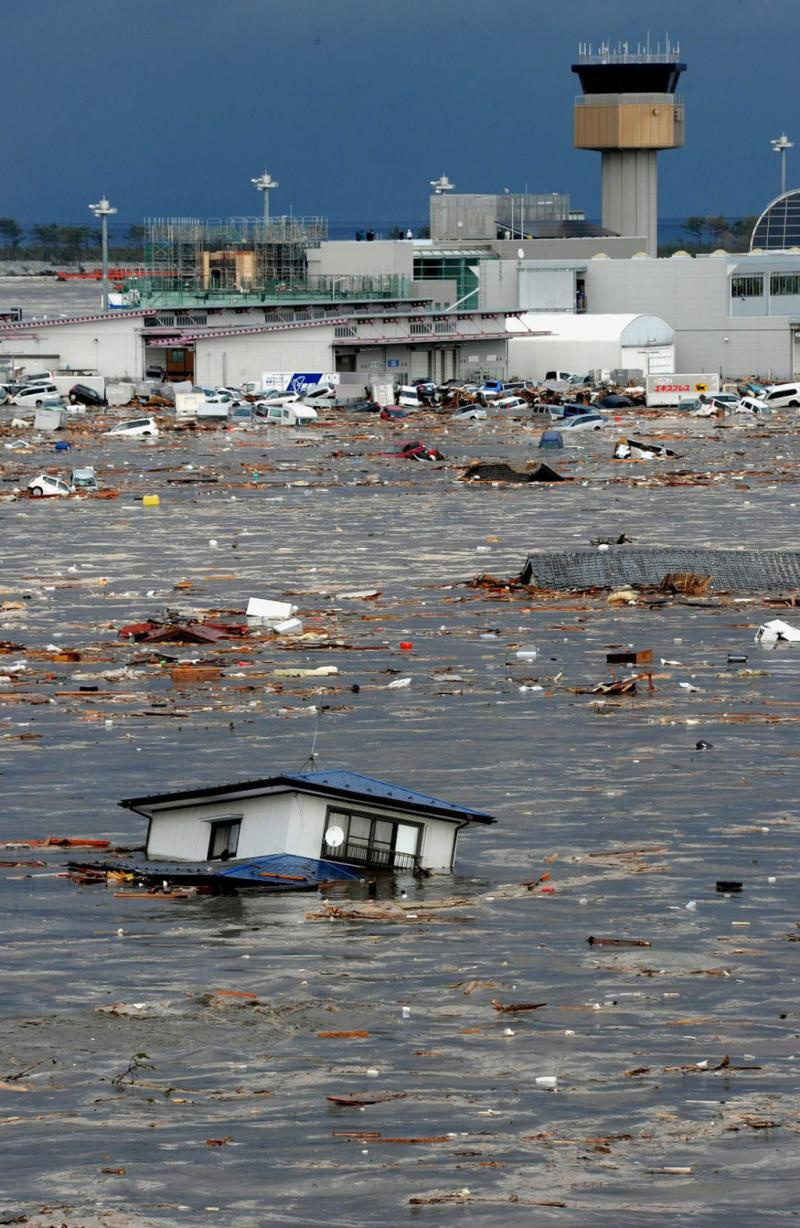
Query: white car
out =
(781, 396)
(752, 405)
(591, 421)
(472, 413)
(511, 405)
(276, 397)
(45, 484)
(135, 428)
(320, 392)
(34, 394)
(217, 396)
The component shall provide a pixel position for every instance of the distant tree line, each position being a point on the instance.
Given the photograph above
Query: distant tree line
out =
(711, 233)
(63, 245)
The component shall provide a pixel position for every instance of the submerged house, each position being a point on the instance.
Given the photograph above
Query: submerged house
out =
(336, 816)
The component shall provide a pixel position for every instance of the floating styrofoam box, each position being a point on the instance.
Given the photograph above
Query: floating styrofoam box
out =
(260, 607)
(288, 625)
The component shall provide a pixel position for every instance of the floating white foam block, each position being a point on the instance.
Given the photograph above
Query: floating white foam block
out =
(258, 607)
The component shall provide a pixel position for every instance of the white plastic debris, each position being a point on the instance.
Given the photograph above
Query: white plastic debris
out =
(772, 632)
(397, 684)
(322, 671)
(259, 607)
(287, 625)
(528, 652)
(548, 1081)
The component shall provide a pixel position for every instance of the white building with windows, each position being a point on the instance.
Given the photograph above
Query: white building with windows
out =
(336, 816)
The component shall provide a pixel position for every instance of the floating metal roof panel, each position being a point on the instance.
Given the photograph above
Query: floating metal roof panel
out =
(743, 571)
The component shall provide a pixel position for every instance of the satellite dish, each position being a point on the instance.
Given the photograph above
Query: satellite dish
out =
(334, 836)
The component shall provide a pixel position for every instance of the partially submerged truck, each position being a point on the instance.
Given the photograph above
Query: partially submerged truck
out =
(672, 389)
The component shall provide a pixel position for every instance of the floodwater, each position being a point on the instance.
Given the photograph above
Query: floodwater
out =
(135, 1093)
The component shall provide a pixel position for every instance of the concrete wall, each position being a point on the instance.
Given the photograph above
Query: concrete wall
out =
(693, 296)
(233, 360)
(111, 347)
(440, 362)
(345, 256)
(570, 249)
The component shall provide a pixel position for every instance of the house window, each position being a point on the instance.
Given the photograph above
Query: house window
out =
(224, 839)
(784, 283)
(371, 840)
(751, 286)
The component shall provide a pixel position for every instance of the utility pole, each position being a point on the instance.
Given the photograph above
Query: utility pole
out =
(265, 183)
(104, 211)
(779, 145)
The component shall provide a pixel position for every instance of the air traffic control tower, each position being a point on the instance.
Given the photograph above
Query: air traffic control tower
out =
(629, 110)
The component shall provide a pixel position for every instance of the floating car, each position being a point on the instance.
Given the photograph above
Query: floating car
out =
(34, 394)
(582, 422)
(472, 413)
(84, 479)
(295, 414)
(135, 428)
(46, 484)
(85, 395)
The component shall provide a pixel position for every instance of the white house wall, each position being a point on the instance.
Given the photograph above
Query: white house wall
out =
(278, 823)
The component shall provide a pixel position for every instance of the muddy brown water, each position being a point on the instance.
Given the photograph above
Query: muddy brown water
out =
(226, 1118)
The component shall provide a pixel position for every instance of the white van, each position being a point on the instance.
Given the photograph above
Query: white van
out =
(407, 397)
(288, 415)
(779, 396)
(35, 394)
(37, 377)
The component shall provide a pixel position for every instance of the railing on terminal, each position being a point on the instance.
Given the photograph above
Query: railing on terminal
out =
(163, 291)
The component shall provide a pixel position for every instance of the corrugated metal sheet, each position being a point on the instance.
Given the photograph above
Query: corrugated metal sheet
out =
(735, 571)
(287, 870)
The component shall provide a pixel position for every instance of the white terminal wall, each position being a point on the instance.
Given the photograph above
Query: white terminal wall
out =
(232, 360)
(582, 343)
(713, 332)
(111, 346)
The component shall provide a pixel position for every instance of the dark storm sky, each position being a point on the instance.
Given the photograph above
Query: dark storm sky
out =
(172, 106)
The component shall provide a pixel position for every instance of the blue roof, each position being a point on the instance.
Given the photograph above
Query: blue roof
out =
(331, 784)
(285, 869)
(381, 790)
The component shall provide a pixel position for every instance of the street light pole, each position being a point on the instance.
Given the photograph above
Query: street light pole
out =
(780, 144)
(104, 210)
(265, 183)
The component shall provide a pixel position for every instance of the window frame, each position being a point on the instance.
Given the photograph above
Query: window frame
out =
(778, 282)
(215, 825)
(748, 282)
(335, 816)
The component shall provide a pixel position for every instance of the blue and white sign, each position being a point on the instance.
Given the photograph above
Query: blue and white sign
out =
(301, 381)
(393, 362)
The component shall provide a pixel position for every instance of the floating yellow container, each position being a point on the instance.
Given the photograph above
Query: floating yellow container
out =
(150, 500)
